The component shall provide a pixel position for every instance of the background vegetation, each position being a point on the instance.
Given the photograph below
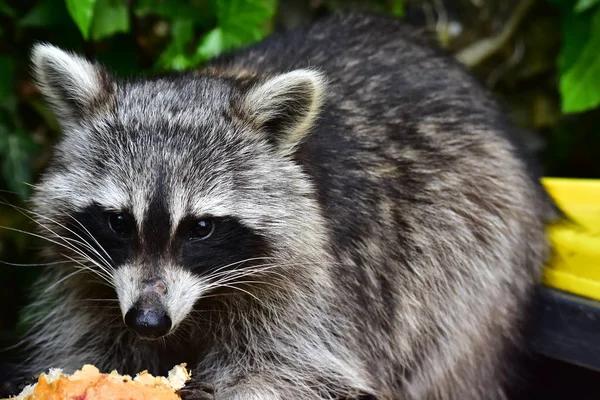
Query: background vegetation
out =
(540, 57)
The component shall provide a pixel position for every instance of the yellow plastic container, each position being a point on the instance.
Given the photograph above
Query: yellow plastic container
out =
(575, 264)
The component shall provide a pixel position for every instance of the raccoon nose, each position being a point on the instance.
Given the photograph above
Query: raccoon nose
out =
(148, 322)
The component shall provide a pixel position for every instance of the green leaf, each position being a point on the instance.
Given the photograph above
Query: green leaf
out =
(240, 22)
(251, 11)
(45, 13)
(575, 34)
(211, 45)
(110, 17)
(201, 11)
(580, 83)
(398, 8)
(182, 32)
(584, 5)
(174, 57)
(7, 70)
(16, 149)
(7, 10)
(243, 21)
(82, 12)
(181, 62)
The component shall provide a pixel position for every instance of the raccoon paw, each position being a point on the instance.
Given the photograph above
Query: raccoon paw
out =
(197, 391)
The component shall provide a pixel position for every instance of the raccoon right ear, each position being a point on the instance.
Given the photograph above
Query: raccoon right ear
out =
(72, 85)
(285, 107)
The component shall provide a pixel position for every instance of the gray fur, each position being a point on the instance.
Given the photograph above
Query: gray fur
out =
(405, 231)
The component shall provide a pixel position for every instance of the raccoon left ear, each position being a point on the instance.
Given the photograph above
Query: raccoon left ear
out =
(72, 85)
(286, 106)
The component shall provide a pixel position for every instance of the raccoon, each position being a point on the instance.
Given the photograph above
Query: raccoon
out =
(337, 212)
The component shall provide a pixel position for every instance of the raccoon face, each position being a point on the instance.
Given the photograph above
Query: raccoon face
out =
(172, 187)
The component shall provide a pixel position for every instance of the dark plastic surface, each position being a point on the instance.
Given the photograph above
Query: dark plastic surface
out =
(568, 328)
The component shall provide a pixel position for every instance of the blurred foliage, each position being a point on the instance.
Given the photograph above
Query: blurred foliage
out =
(547, 78)
(146, 36)
(579, 59)
(142, 36)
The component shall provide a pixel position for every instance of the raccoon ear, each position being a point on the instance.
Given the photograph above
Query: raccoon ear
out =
(71, 84)
(285, 107)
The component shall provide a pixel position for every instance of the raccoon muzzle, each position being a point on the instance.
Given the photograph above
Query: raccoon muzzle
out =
(148, 317)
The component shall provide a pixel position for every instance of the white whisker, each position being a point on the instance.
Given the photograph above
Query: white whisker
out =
(101, 274)
(34, 265)
(242, 290)
(64, 278)
(91, 236)
(83, 242)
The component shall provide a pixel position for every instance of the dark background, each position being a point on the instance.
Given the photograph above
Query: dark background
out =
(537, 48)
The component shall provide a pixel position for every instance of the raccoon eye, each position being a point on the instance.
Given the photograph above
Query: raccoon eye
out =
(121, 224)
(202, 229)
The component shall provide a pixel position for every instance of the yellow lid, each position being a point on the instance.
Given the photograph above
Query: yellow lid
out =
(575, 264)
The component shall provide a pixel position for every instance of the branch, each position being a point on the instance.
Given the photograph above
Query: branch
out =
(480, 50)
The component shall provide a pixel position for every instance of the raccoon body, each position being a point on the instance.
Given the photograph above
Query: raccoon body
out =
(337, 212)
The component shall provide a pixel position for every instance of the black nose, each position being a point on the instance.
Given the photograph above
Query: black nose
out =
(148, 322)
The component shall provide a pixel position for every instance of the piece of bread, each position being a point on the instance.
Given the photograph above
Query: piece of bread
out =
(89, 384)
